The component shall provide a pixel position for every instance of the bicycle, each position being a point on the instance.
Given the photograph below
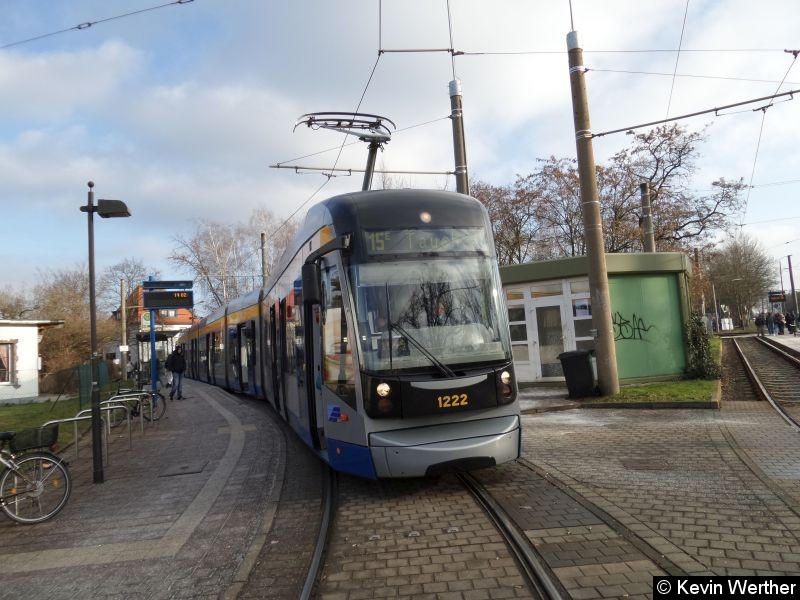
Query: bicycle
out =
(152, 410)
(35, 484)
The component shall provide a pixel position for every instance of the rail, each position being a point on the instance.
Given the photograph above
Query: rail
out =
(541, 581)
(322, 538)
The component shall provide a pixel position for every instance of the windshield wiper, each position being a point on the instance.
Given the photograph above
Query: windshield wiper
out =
(446, 371)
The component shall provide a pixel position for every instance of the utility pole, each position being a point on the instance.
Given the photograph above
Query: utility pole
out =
(608, 378)
(123, 354)
(647, 218)
(263, 260)
(794, 292)
(459, 146)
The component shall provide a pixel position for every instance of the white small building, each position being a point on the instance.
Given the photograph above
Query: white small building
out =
(19, 359)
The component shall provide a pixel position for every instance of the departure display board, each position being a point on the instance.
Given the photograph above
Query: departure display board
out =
(157, 300)
(419, 241)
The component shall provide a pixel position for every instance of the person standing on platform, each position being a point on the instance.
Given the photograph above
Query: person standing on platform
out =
(761, 320)
(780, 322)
(770, 323)
(176, 363)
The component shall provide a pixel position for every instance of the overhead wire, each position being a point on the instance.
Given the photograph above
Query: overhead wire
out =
(763, 110)
(677, 58)
(450, 28)
(694, 76)
(330, 175)
(88, 24)
(630, 51)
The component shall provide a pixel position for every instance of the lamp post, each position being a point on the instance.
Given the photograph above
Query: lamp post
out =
(716, 307)
(106, 209)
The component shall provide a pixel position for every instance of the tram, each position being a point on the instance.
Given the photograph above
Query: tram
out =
(382, 337)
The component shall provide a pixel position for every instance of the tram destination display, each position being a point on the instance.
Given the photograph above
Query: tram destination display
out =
(158, 300)
(415, 241)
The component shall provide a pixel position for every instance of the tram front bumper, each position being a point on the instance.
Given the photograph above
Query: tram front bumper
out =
(462, 446)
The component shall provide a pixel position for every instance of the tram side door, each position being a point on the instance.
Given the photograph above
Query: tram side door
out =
(316, 407)
(245, 354)
(273, 357)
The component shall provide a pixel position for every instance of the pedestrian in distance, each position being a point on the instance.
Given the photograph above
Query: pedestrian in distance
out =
(790, 322)
(770, 323)
(176, 364)
(780, 322)
(761, 321)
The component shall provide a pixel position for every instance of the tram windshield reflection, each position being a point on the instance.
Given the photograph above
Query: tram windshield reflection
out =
(450, 306)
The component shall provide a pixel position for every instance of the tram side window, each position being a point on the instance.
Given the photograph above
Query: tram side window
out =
(337, 356)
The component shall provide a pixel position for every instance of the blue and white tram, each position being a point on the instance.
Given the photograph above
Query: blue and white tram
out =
(382, 338)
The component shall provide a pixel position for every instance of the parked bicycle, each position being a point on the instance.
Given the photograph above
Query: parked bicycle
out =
(152, 405)
(35, 484)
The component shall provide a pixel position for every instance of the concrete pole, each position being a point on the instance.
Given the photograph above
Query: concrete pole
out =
(647, 218)
(263, 260)
(608, 378)
(123, 355)
(459, 145)
(794, 292)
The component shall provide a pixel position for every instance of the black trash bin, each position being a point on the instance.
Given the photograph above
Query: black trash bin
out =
(578, 371)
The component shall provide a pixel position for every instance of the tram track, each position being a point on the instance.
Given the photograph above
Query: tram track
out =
(532, 565)
(774, 375)
(323, 537)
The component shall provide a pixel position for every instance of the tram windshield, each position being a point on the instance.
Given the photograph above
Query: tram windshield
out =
(449, 306)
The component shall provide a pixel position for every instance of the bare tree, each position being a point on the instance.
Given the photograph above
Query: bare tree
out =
(665, 156)
(15, 305)
(742, 273)
(132, 270)
(64, 294)
(224, 259)
(512, 212)
(550, 225)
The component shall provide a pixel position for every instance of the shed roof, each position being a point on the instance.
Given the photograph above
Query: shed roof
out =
(578, 266)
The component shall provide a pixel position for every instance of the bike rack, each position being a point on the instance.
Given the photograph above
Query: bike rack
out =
(86, 415)
(81, 416)
(124, 397)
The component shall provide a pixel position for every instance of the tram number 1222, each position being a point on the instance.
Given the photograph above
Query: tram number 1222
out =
(453, 400)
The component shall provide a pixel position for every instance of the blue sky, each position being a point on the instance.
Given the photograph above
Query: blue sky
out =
(180, 111)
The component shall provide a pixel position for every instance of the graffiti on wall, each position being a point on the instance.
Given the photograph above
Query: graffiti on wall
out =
(633, 329)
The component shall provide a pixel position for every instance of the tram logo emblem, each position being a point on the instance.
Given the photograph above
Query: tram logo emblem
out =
(334, 412)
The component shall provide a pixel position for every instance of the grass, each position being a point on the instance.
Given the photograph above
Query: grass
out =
(686, 390)
(14, 417)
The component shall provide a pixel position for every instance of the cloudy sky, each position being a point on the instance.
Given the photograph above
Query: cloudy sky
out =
(180, 111)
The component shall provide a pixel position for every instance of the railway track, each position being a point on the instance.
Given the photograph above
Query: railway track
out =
(328, 512)
(540, 578)
(774, 375)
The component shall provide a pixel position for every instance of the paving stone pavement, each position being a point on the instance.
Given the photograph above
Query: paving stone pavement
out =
(702, 492)
(145, 534)
(713, 491)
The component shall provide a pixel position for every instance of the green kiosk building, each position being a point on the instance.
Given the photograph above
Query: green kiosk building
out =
(550, 312)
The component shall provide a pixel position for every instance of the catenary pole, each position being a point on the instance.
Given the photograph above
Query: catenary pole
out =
(263, 260)
(647, 218)
(459, 145)
(794, 292)
(123, 355)
(608, 378)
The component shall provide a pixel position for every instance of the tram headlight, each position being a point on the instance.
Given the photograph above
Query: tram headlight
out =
(383, 390)
(505, 386)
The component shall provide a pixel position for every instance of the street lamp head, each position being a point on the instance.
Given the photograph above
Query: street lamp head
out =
(112, 208)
